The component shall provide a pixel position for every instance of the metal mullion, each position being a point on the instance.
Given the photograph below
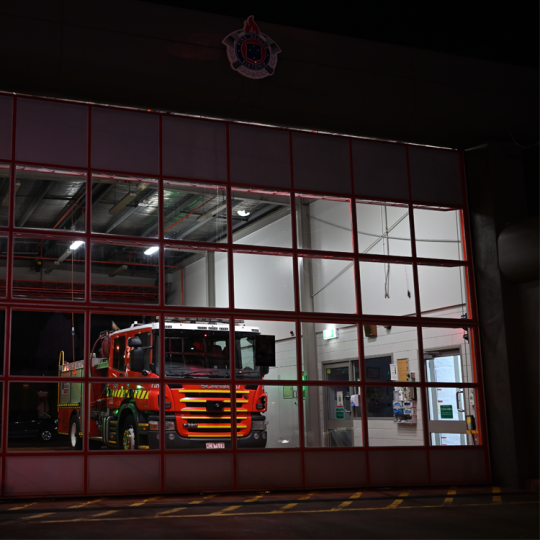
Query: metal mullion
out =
(162, 300)
(194, 244)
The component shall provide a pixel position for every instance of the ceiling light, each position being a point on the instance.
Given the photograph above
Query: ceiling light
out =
(119, 270)
(243, 213)
(76, 245)
(151, 250)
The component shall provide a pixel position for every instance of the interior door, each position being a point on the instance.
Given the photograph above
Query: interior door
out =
(338, 413)
(447, 415)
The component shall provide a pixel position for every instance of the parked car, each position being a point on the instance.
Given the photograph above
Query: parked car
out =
(28, 423)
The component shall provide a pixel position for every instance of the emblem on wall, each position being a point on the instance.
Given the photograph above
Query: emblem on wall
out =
(251, 53)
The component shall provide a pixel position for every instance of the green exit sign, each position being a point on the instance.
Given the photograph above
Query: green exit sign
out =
(331, 333)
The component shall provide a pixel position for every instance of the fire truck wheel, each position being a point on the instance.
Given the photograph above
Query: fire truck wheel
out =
(128, 440)
(75, 442)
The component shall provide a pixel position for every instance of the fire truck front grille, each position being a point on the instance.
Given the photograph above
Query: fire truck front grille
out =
(207, 413)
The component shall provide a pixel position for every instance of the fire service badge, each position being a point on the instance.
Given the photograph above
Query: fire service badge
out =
(252, 53)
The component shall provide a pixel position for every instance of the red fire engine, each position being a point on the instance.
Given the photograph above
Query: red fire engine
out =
(125, 414)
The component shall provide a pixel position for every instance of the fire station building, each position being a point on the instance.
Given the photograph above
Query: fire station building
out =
(234, 258)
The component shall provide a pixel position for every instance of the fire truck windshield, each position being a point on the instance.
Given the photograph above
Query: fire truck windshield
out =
(196, 353)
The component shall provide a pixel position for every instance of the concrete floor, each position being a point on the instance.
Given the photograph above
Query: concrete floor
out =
(464, 512)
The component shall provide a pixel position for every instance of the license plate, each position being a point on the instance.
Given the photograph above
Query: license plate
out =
(213, 445)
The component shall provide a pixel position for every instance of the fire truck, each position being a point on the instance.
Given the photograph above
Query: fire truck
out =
(124, 414)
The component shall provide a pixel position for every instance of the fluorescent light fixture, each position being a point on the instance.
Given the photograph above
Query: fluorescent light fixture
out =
(118, 206)
(330, 333)
(76, 245)
(243, 213)
(119, 270)
(151, 250)
(210, 213)
(54, 265)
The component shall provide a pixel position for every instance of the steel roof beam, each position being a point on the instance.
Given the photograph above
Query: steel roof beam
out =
(43, 189)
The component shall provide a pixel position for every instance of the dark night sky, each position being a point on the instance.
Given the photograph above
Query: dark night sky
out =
(501, 31)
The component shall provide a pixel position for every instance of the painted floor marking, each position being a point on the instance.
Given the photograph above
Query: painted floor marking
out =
(172, 511)
(497, 499)
(254, 499)
(448, 500)
(198, 516)
(288, 506)
(220, 512)
(343, 505)
(35, 516)
(397, 502)
(145, 501)
(356, 495)
(306, 497)
(108, 513)
(84, 504)
(21, 507)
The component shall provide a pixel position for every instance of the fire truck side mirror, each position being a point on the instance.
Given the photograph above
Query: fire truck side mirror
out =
(134, 341)
(136, 360)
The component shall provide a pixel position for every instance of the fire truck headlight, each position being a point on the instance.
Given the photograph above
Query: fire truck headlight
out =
(169, 425)
(255, 435)
(258, 424)
(153, 425)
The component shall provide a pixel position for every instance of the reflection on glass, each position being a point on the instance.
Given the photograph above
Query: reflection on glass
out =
(196, 278)
(443, 291)
(48, 198)
(4, 193)
(383, 229)
(387, 289)
(324, 223)
(263, 282)
(194, 212)
(125, 273)
(328, 342)
(39, 339)
(33, 416)
(125, 205)
(394, 414)
(340, 424)
(261, 218)
(438, 233)
(47, 268)
(326, 285)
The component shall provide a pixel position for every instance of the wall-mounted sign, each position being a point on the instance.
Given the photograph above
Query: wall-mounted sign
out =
(251, 53)
(330, 333)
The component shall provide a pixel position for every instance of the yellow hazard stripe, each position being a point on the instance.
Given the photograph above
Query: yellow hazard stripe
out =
(220, 435)
(123, 393)
(204, 400)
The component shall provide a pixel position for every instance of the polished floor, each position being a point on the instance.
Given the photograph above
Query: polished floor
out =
(452, 512)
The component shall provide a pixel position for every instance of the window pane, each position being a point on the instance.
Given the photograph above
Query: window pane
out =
(125, 273)
(323, 223)
(438, 233)
(109, 349)
(274, 424)
(453, 416)
(4, 193)
(447, 355)
(47, 268)
(124, 205)
(196, 278)
(327, 285)
(267, 348)
(383, 229)
(443, 291)
(194, 212)
(261, 218)
(3, 261)
(41, 339)
(263, 282)
(49, 198)
(332, 415)
(387, 289)
(394, 416)
(324, 344)
(33, 415)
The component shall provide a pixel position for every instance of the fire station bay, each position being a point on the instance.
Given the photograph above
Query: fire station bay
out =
(217, 278)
